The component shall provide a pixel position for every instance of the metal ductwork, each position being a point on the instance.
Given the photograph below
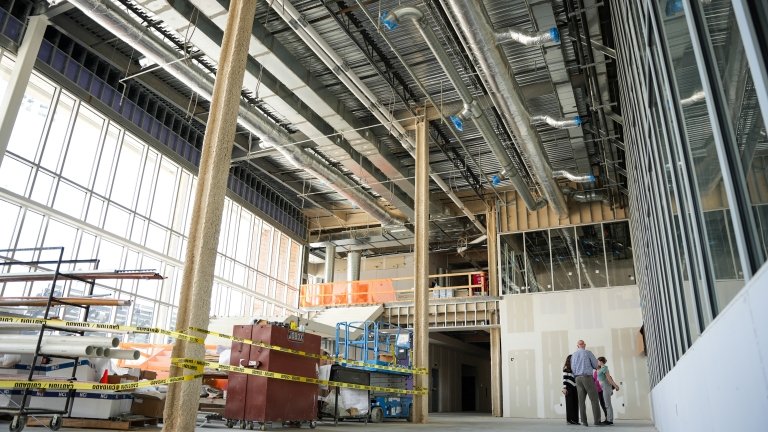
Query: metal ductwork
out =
(353, 265)
(473, 21)
(557, 123)
(586, 196)
(153, 48)
(526, 37)
(346, 76)
(471, 108)
(588, 178)
(330, 262)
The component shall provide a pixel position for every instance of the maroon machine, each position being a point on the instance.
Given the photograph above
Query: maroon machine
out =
(259, 400)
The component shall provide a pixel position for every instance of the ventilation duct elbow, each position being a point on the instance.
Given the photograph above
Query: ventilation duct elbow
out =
(557, 123)
(469, 111)
(589, 178)
(526, 37)
(391, 20)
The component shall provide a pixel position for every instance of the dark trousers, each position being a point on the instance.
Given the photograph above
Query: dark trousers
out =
(572, 405)
(585, 386)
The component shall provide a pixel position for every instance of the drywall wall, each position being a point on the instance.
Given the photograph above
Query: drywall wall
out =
(539, 330)
(721, 382)
(448, 363)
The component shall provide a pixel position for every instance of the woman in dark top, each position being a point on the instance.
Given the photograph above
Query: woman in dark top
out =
(569, 390)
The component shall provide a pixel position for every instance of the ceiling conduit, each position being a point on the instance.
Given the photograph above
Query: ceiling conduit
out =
(475, 24)
(471, 107)
(335, 63)
(106, 14)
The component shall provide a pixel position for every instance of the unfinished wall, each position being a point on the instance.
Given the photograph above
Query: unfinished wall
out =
(391, 266)
(539, 330)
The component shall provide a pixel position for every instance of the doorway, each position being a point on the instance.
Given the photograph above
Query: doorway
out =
(468, 388)
(434, 391)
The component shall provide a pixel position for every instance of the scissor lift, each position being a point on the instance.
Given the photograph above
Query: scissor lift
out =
(371, 344)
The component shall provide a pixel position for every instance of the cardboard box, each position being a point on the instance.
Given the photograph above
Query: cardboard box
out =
(147, 375)
(148, 406)
(120, 379)
(86, 404)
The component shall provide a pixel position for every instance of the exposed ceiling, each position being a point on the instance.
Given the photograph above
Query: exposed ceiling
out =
(290, 81)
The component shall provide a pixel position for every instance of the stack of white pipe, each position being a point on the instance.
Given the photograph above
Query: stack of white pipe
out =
(81, 346)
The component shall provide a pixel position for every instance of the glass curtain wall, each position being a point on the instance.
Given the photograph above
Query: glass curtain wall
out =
(696, 148)
(73, 178)
(584, 256)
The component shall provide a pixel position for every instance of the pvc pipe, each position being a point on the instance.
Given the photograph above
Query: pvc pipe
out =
(10, 347)
(124, 354)
(66, 340)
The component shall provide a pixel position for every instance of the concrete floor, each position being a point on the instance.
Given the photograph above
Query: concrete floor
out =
(442, 422)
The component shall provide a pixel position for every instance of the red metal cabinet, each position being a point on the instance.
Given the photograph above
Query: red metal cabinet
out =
(259, 399)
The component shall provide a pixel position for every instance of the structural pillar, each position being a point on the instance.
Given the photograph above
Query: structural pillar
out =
(330, 262)
(197, 280)
(493, 290)
(421, 273)
(17, 84)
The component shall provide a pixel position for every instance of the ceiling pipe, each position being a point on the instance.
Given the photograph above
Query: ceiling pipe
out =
(586, 196)
(589, 178)
(153, 48)
(526, 37)
(335, 63)
(473, 21)
(557, 123)
(471, 108)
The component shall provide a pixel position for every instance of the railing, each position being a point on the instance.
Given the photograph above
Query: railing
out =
(379, 291)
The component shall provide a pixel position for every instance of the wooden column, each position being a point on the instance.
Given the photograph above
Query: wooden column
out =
(421, 273)
(197, 281)
(493, 289)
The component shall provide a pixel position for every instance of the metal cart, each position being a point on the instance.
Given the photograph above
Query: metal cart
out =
(259, 401)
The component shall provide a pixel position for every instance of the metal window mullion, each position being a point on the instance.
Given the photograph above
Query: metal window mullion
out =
(734, 181)
(757, 62)
(657, 72)
(705, 307)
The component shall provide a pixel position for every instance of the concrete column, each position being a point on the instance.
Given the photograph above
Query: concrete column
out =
(17, 84)
(197, 281)
(330, 262)
(353, 265)
(493, 290)
(421, 273)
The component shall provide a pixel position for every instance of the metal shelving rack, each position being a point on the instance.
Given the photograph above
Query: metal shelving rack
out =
(88, 277)
(21, 413)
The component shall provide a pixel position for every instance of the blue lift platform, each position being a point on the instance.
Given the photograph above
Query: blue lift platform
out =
(373, 344)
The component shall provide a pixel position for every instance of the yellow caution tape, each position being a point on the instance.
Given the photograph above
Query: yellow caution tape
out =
(67, 385)
(339, 360)
(198, 365)
(101, 326)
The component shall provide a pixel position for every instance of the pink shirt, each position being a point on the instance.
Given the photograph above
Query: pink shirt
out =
(597, 382)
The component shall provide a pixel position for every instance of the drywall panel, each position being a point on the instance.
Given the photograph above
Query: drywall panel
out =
(721, 382)
(539, 330)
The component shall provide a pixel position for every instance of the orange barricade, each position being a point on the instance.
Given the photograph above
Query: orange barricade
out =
(375, 291)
